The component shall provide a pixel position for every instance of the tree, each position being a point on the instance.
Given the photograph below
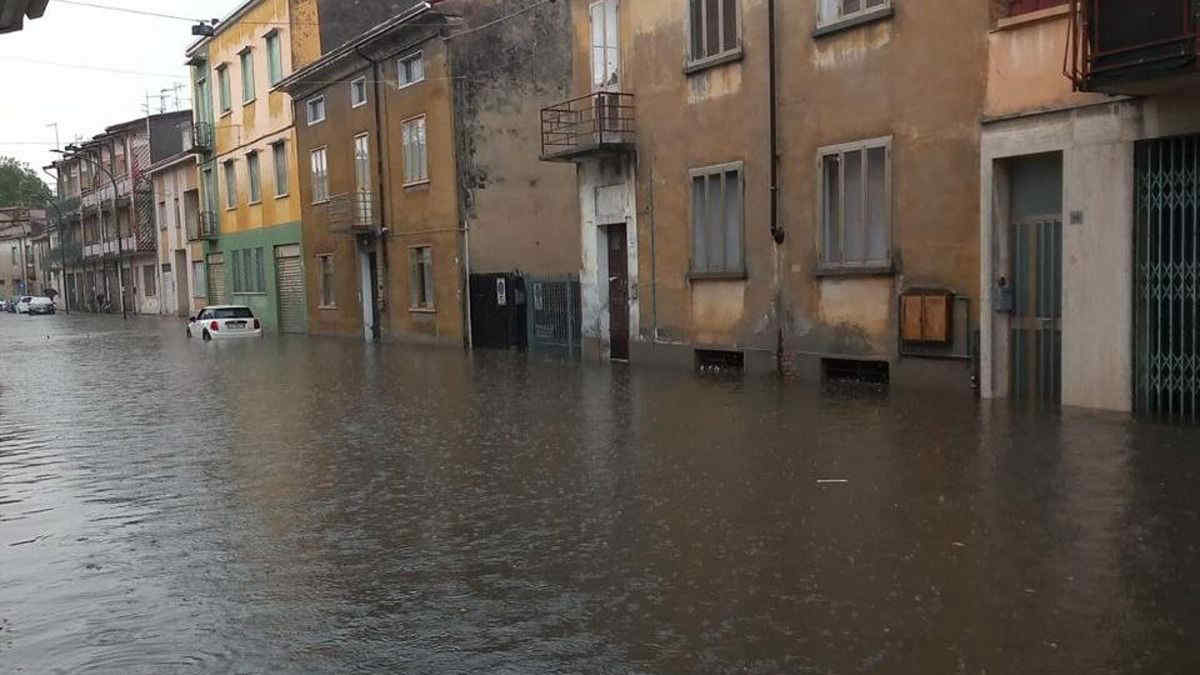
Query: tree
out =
(20, 186)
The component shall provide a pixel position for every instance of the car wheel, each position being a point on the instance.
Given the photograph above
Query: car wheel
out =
(206, 336)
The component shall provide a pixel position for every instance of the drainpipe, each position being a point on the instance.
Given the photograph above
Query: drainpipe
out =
(382, 264)
(776, 230)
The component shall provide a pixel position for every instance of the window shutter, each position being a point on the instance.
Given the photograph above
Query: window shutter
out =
(428, 277)
(413, 278)
(697, 29)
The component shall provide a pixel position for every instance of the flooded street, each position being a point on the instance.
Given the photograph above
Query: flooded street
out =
(319, 505)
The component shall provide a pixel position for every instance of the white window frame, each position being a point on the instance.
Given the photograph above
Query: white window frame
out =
(427, 277)
(327, 288)
(605, 56)
(254, 176)
(278, 152)
(246, 56)
(402, 80)
(274, 70)
(739, 271)
(695, 62)
(864, 264)
(319, 196)
(357, 82)
(308, 107)
(841, 18)
(412, 123)
(229, 166)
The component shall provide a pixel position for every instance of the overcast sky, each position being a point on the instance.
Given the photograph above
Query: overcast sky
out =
(85, 100)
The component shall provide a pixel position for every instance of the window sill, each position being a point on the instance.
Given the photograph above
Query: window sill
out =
(320, 201)
(880, 270)
(230, 208)
(312, 123)
(718, 276)
(861, 19)
(226, 113)
(700, 65)
(246, 103)
(1010, 22)
(254, 203)
(357, 105)
(408, 84)
(327, 307)
(416, 184)
(422, 310)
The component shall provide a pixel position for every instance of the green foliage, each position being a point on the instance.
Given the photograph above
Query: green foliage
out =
(20, 186)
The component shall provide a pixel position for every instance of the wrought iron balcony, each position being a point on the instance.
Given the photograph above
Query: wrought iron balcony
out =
(197, 136)
(596, 124)
(1132, 47)
(202, 225)
(352, 213)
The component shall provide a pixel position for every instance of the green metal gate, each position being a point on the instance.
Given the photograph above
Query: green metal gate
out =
(1036, 367)
(1167, 279)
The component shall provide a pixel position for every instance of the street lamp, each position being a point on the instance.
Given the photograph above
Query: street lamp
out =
(120, 278)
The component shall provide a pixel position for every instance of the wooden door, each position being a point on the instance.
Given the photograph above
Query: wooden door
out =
(618, 293)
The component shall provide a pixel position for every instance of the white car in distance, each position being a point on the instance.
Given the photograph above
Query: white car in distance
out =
(23, 304)
(222, 322)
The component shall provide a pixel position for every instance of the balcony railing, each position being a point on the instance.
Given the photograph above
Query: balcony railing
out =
(1137, 48)
(204, 225)
(197, 136)
(353, 212)
(603, 122)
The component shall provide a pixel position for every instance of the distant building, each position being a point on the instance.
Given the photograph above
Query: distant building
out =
(23, 268)
(109, 240)
(177, 215)
(249, 198)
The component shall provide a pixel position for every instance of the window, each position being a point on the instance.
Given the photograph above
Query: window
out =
(421, 281)
(14, 255)
(274, 58)
(320, 178)
(606, 53)
(836, 11)
(248, 272)
(717, 220)
(327, 295)
(714, 28)
(223, 88)
(149, 280)
(162, 215)
(1016, 7)
(252, 171)
(247, 57)
(358, 92)
(316, 110)
(856, 213)
(230, 185)
(199, 280)
(281, 172)
(416, 168)
(411, 70)
(178, 215)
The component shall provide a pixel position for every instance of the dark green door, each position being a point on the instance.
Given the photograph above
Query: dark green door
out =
(1036, 367)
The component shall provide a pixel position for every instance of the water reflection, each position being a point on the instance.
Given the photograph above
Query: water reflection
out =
(321, 505)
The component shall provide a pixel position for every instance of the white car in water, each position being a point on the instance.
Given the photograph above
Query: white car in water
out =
(224, 321)
(23, 304)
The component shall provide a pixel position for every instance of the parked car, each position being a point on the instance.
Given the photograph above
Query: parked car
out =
(40, 305)
(224, 321)
(23, 304)
(3, 305)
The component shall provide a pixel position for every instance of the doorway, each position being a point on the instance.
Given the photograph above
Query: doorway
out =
(369, 282)
(1035, 268)
(618, 293)
(182, 295)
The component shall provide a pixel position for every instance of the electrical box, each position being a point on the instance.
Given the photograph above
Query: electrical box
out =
(927, 316)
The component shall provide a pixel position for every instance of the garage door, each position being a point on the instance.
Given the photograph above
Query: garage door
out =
(216, 280)
(289, 279)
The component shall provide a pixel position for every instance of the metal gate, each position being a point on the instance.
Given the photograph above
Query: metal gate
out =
(1037, 309)
(1167, 278)
(553, 316)
(289, 280)
(216, 280)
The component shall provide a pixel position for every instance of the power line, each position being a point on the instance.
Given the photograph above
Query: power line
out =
(128, 10)
(79, 66)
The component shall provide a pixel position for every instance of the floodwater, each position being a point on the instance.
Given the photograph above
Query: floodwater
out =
(321, 505)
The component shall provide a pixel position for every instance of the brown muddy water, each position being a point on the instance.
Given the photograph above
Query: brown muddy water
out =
(315, 505)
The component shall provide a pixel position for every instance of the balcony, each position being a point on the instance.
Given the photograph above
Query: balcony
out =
(197, 137)
(1133, 48)
(203, 225)
(352, 213)
(595, 125)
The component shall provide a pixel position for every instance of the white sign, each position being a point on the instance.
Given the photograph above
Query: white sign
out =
(501, 294)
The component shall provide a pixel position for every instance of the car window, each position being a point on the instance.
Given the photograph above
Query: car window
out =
(233, 313)
(205, 315)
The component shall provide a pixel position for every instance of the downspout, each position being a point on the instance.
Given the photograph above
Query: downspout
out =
(381, 267)
(776, 231)
(465, 242)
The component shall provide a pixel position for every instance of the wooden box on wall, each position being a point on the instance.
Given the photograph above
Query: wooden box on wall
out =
(927, 316)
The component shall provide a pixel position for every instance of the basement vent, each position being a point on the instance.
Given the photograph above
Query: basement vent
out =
(851, 371)
(717, 362)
